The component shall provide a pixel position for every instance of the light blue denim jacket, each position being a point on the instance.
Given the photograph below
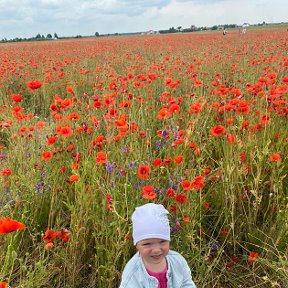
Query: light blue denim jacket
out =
(178, 274)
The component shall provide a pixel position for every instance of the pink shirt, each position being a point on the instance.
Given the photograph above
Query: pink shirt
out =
(160, 276)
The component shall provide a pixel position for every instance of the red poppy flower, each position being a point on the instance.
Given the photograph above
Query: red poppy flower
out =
(181, 198)
(164, 113)
(63, 235)
(206, 205)
(231, 138)
(16, 97)
(51, 140)
(47, 155)
(101, 158)
(6, 172)
(64, 131)
(186, 185)
(73, 178)
(217, 131)
(198, 182)
(34, 84)
(252, 256)
(69, 90)
(275, 157)
(245, 124)
(264, 119)
(3, 284)
(178, 159)
(149, 195)
(170, 193)
(285, 79)
(148, 189)
(8, 225)
(157, 162)
(195, 108)
(143, 172)
(49, 236)
(74, 116)
(167, 160)
(243, 158)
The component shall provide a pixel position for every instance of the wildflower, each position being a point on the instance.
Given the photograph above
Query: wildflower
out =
(147, 189)
(51, 140)
(230, 138)
(149, 195)
(228, 265)
(186, 185)
(101, 158)
(206, 205)
(49, 236)
(63, 235)
(186, 219)
(49, 246)
(285, 79)
(69, 90)
(264, 119)
(8, 225)
(235, 259)
(170, 193)
(47, 155)
(215, 246)
(243, 158)
(245, 124)
(181, 198)
(252, 256)
(3, 284)
(74, 177)
(195, 108)
(164, 113)
(34, 84)
(143, 172)
(178, 159)
(62, 169)
(275, 157)
(217, 131)
(74, 116)
(167, 161)
(198, 182)
(16, 98)
(6, 172)
(157, 162)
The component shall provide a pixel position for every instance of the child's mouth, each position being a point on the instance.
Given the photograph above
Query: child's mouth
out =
(156, 256)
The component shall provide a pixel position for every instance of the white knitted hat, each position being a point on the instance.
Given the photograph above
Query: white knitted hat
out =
(150, 221)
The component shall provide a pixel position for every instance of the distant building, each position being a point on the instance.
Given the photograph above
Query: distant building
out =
(150, 32)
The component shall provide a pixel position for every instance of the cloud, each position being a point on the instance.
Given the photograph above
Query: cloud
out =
(26, 18)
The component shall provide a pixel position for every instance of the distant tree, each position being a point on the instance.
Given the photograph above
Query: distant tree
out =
(38, 36)
(172, 30)
(179, 28)
(215, 27)
(55, 36)
(97, 34)
(193, 28)
(49, 36)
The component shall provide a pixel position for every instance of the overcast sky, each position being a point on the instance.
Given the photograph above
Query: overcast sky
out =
(27, 18)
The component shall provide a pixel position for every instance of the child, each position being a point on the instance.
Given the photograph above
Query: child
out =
(154, 265)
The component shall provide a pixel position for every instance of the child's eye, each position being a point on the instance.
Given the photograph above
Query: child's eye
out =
(146, 244)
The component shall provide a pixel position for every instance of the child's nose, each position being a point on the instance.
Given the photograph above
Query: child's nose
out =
(156, 248)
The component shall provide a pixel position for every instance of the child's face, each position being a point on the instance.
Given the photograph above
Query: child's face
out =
(153, 251)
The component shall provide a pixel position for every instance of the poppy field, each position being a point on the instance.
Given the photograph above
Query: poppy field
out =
(92, 128)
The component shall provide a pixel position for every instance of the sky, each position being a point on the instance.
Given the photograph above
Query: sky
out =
(27, 18)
